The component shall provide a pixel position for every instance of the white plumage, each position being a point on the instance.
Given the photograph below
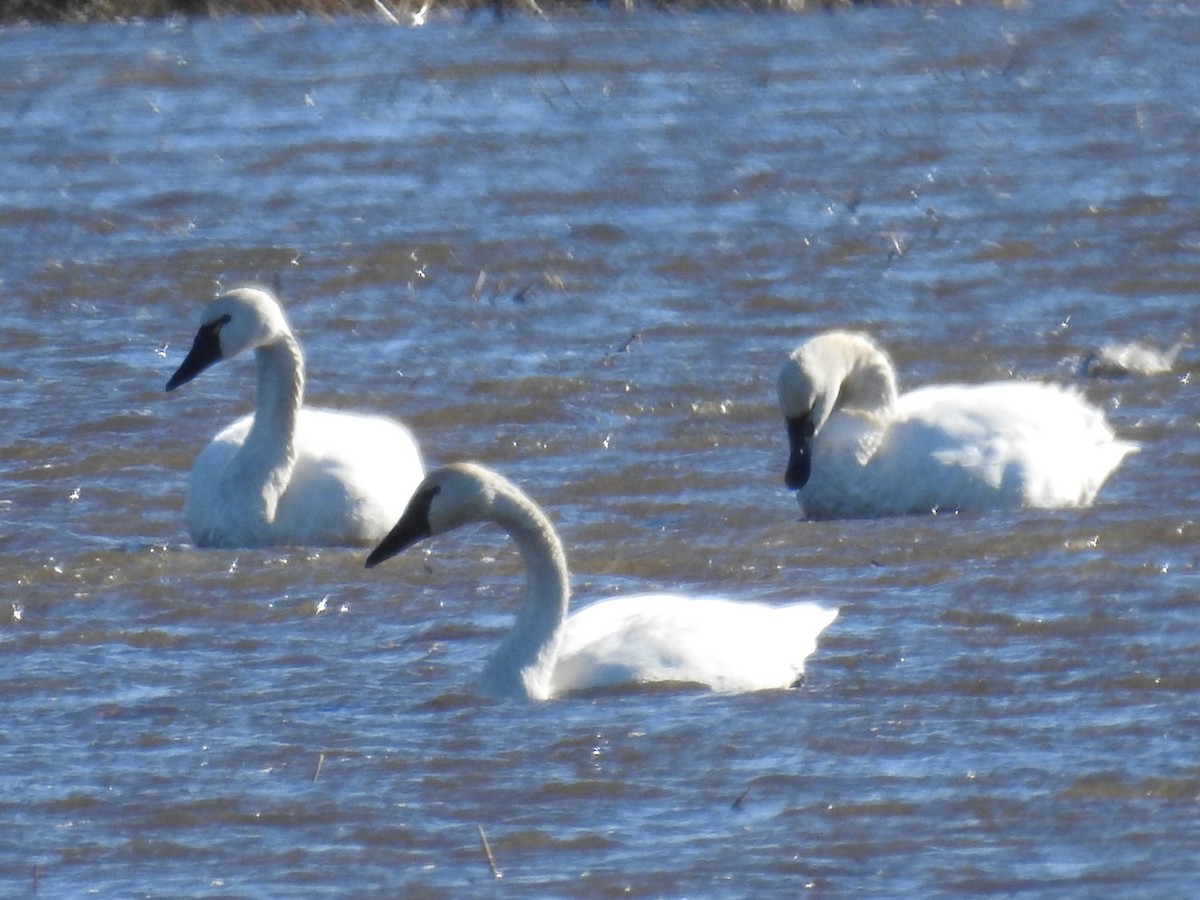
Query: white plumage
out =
(289, 475)
(860, 449)
(725, 645)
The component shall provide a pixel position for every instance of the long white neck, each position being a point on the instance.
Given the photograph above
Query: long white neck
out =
(263, 466)
(523, 664)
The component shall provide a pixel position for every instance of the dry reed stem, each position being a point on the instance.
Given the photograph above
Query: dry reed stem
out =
(741, 798)
(487, 853)
(385, 12)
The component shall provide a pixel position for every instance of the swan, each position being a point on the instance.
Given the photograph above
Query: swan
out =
(726, 645)
(1119, 360)
(288, 474)
(859, 449)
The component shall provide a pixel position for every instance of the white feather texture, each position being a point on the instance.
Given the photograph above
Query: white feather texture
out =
(725, 645)
(859, 449)
(287, 474)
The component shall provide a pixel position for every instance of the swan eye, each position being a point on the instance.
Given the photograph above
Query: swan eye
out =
(420, 504)
(211, 331)
(206, 350)
(412, 527)
(214, 327)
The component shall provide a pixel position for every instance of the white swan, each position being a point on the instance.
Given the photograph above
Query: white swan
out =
(288, 475)
(859, 449)
(1119, 360)
(726, 645)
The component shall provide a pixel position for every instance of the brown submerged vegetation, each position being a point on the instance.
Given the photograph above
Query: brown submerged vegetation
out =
(395, 11)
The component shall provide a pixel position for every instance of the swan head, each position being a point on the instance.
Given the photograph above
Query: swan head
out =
(445, 500)
(238, 320)
(807, 393)
(832, 370)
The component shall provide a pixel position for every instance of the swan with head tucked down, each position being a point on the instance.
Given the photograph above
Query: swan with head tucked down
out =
(725, 645)
(289, 474)
(860, 449)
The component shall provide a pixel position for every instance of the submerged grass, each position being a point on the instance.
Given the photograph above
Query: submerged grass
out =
(393, 11)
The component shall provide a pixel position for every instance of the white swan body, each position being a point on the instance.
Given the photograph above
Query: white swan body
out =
(289, 475)
(859, 449)
(1119, 360)
(725, 645)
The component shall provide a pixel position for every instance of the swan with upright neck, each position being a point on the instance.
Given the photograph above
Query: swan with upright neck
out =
(861, 449)
(725, 645)
(289, 474)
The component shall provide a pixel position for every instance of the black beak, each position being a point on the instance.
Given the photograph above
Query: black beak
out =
(800, 438)
(412, 528)
(206, 350)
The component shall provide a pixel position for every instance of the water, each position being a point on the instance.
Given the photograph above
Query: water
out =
(577, 250)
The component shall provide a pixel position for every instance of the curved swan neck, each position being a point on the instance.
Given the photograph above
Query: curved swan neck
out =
(525, 659)
(869, 381)
(268, 455)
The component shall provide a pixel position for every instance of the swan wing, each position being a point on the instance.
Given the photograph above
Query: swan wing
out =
(352, 478)
(724, 644)
(964, 447)
(1015, 443)
(216, 516)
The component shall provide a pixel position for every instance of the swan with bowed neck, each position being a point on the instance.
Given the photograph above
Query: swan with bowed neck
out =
(287, 474)
(860, 449)
(725, 645)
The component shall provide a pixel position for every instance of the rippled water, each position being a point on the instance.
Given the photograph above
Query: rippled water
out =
(577, 250)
